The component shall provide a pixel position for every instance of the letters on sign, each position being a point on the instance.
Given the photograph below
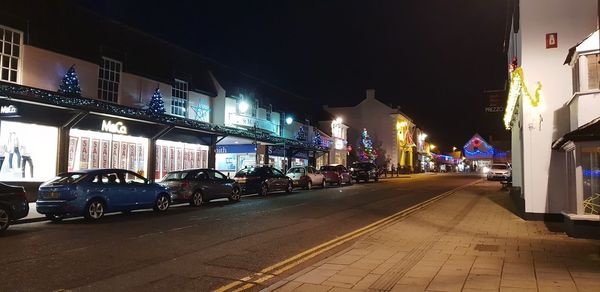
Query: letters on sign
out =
(8, 109)
(115, 128)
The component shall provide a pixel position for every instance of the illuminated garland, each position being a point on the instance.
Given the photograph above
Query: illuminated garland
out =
(518, 88)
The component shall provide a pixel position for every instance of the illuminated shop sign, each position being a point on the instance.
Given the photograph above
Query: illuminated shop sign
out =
(115, 128)
(8, 110)
(246, 121)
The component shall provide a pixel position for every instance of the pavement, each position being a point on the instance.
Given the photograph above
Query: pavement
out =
(468, 241)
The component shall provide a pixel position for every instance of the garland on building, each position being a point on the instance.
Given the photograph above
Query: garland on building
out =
(69, 85)
(156, 107)
(317, 141)
(367, 153)
(519, 88)
(301, 134)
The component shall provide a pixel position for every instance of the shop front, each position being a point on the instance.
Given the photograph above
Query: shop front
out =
(278, 158)
(180, 149)
(231, 158)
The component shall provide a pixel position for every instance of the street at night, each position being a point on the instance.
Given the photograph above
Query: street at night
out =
(203, 247)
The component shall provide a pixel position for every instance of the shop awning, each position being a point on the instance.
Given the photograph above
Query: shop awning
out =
(587, 132)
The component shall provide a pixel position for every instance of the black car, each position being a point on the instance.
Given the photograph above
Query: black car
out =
(13, 205)
(197, 186)
(364, 171)
(262, 180)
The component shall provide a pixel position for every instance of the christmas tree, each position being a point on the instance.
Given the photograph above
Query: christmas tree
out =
(301, 134)
(367, 153)
(157, 105)
(317, 141)
(70, 83)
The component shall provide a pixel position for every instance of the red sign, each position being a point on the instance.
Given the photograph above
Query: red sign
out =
(551, 40)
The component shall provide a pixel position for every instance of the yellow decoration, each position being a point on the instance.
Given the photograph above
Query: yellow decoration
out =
(518, 88)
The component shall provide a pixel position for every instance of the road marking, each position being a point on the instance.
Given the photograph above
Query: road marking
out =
(289, 263)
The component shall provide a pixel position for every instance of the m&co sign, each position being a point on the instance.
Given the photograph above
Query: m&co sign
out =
(115, 128)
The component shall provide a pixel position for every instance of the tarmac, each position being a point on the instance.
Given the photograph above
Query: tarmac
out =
(471, 240)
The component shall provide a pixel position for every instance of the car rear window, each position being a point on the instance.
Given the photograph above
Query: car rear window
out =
(328, 168)
(177, 175)
(248, 171)
(499, 166)
(67, 178)
(362, 165)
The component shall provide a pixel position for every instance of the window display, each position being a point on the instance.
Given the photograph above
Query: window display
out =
(172, 156)
(90, 150)
(27, 151)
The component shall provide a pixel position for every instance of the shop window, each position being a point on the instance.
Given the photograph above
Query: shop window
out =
(175, 156)
(590, 163)
(180, 98)
(22, 156)
(10, 54)
(109, 78)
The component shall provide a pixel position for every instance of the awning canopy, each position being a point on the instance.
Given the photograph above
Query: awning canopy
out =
(587, 132)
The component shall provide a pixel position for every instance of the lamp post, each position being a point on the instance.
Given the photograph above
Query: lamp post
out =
(288, 121)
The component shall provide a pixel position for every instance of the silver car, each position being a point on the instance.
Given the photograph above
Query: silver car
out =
(197, 186)
(499, 172)
(306, 177)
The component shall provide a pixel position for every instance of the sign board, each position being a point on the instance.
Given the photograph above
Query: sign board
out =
(551, 40)
(7, 111)
(246, 121)
(496, 100)
(114, 128)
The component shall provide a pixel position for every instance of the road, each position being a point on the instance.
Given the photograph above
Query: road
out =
(200, 249)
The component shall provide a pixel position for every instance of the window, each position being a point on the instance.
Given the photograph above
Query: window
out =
(180, 98)
(10, 54)
(269, 111)
(131, 177)
(217, 175)
(108, 178)
(592, 66)
(109, 78)
(254, 107)
(590, 162)
(276, 172)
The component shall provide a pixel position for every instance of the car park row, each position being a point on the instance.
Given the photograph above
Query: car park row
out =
(93, 193)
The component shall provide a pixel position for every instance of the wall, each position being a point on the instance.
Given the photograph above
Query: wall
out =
(45, 69)
(544, 184)
(137, 91)
(584, 109)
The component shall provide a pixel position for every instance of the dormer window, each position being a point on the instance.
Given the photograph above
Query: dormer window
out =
(589, 70)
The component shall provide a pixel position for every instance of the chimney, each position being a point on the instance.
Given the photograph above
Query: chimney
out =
(370, 93)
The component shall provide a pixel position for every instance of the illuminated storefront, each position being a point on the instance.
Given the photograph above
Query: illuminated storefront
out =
(339, 135)
(231, 158)
(172, 156)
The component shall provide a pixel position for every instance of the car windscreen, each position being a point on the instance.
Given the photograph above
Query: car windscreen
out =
(176, 175)
(328, 168)
(362, 165)
(67, 178)
(249, 171)
(499, 166)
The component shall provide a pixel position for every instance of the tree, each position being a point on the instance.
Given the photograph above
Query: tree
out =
(156, 106)
(317, 141)
(70, 83)
(367, 152)
(301, 134)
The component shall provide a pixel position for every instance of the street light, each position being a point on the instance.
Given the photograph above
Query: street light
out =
(289, 120)
(243, 106)
(431, 147)
(453, 148)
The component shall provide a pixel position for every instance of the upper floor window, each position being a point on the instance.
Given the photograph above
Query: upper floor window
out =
(109, 78)
(269, 111)
(255, 107)
(180, 97)
(10, 54)
(592, 71)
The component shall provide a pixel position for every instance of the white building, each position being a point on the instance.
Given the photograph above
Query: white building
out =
(548, 99)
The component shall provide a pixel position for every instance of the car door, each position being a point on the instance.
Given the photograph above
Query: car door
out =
(344, 174)
(116, 192)
(206, 184)
(139, 188)
(280, 179)
(220, 184)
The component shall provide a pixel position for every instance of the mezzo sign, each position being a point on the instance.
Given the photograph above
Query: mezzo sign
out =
(8, 110)
(115, 128)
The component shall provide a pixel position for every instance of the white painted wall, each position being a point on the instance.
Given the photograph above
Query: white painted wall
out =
(544, 179)
(584, 108)
(136, 91)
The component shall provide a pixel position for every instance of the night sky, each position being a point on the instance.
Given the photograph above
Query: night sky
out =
(434, 58)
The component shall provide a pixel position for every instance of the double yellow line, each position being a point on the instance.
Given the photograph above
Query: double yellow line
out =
(278, 268)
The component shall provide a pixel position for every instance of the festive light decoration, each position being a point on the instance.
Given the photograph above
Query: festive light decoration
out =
(20, 92)
(367, 153)
(519, 88)
(201, 111)
(301, 134)
(476, 142)
(317, 141)
(69, 85)
(156, 107)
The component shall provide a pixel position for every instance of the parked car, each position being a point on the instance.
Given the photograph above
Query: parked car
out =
(306, 177)
(336, 174)
(196, 186)
(13, 205)
(499, 172)
(262, 180)
(364, 171)
(93, 193)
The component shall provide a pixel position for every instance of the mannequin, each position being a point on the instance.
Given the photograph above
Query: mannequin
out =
(26, 159)
(2, 153)
(13, 148)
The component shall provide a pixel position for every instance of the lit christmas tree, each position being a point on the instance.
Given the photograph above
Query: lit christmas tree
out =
(301, 134)
(367, 153)
(317, 141)
(156, 106)
(70, 83)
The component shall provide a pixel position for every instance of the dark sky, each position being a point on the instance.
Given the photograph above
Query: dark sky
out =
(434, 58)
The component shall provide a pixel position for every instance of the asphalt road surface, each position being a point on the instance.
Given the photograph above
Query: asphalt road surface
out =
(200, 249)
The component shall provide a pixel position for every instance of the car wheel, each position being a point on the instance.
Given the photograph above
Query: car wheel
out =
(309, 185)
(235, 195)
(94, 210)
(376, 178)
(4, 219)
(55, 217)
(290, 187)
(196, 200)
(162, 203)
(264, 189)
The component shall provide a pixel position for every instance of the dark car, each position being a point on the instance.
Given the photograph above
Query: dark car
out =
(336, 174)
(93, 193)
(364, 171)
(262, 180)
(13, 205)
(196, 186)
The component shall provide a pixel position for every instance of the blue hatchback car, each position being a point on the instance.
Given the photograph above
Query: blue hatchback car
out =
(95, 192)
